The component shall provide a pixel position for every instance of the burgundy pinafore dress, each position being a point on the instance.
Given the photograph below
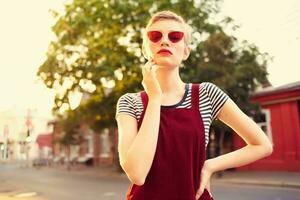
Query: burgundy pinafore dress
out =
(179, 157)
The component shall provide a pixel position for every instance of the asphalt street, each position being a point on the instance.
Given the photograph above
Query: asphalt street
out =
(59, 183)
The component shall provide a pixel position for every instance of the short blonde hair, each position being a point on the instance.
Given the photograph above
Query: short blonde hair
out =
(167, 15)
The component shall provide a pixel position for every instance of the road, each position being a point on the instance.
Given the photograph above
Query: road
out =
(58, 183)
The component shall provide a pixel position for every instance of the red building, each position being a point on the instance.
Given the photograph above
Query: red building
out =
(44, 141)
(281, 122)
(100, 147)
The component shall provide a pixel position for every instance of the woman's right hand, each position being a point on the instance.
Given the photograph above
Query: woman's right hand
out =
(150, 82)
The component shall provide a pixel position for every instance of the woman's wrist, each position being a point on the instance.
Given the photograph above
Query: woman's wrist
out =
(155, 100)
(209, 166)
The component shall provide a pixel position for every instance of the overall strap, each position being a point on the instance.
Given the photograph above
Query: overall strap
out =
(195, 96)
(144, 97)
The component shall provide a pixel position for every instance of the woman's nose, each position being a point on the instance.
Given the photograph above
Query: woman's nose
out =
(164, 41)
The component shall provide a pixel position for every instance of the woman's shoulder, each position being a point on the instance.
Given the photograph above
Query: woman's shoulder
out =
(214, 92)
(206, 85)
(131, 97)
(130, 104)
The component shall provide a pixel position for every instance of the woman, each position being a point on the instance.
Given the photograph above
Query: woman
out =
(163, 131)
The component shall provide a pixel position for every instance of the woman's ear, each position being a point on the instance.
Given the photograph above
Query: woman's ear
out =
(186, 52)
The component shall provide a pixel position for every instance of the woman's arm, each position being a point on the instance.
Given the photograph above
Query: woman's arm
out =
(137, 150)
(258, 145)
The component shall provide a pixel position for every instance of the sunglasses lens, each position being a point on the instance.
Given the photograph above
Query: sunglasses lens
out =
(175, 36)
(154, 36)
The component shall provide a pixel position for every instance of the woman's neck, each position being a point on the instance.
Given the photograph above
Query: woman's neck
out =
(170, 81)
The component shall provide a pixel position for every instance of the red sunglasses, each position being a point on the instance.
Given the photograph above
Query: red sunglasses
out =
(174, 36)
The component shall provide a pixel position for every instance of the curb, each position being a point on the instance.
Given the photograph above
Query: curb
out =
(258, 182)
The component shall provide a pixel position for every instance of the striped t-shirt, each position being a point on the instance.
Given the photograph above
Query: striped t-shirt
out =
(211, 99)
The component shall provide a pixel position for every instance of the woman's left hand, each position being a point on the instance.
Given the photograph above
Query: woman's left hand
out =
(206, 174)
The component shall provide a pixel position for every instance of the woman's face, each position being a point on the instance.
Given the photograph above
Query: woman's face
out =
(177, 50)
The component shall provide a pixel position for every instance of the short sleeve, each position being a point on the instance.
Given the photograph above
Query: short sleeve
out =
(217, 97)
(125, 105)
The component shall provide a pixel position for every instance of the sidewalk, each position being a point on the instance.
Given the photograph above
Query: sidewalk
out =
(263, 178)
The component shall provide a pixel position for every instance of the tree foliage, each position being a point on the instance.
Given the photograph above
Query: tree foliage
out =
(97, 52)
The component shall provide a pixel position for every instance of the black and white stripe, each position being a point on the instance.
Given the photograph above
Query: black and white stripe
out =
(211, 99)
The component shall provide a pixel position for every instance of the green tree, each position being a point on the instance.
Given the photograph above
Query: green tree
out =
(97, 52)
(99, 44)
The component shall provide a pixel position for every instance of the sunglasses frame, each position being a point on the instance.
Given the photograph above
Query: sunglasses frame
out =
(181, 34)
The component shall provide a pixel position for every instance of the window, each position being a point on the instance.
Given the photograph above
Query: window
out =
(263, 120)
(90, 141)
(74, 149)
(105, 144)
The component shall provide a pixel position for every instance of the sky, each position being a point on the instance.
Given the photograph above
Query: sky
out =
(24, 38)
(274, 26)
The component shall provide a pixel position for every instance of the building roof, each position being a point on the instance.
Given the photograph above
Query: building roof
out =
(273, 90)
(44, 140)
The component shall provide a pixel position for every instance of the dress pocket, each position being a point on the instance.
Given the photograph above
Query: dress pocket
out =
(206, 195)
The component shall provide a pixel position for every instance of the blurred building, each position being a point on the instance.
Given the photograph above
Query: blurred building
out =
(45, 144)
(92, 149)
(280, 120)
(19, 129)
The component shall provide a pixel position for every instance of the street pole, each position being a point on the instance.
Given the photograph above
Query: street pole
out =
(29, 126)
(27, 143)
(5, 134)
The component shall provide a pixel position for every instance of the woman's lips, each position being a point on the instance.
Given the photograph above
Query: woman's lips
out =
(165, 52)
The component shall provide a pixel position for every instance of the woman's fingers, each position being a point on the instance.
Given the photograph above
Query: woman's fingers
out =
(205, 184)
(199, 192)
(145, 68)
(148, 67)
(208, 188)
(150, 82)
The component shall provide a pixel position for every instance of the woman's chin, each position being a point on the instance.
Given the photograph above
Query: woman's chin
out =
(164, 62)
